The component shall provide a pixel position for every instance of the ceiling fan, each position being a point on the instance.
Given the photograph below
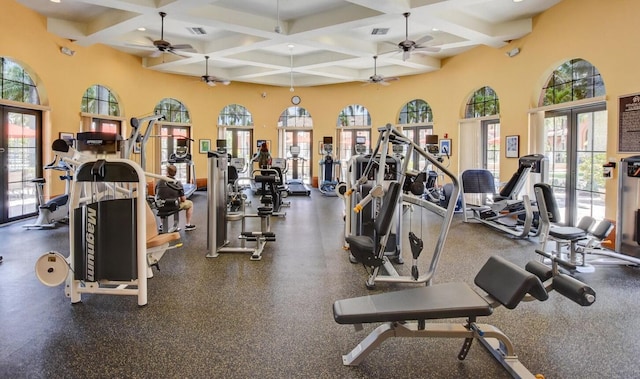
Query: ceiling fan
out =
(212, 80)
(161, 46)
(379, 79)
(407, 46)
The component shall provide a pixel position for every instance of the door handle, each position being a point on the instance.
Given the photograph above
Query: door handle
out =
(1, 149)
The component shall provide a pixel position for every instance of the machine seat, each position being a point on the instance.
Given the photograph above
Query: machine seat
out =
(568, 233)
(449, 300)
(360, 245)
(56, 202)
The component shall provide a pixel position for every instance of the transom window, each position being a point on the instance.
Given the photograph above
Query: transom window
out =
(295, 117)
(415, 111)
(100, 110)
(173, 111)
(484, 102)
(99, 100)
(354, 115)
(574, 80)
(16, 84)
(235, 115)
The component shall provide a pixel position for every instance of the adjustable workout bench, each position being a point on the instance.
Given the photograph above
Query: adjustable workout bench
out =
(404, 312)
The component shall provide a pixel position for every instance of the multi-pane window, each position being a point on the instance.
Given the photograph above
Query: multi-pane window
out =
(295, 129)
(415, 111)
(294, 117)
(173, 111)
(416, 118)
(174, 130)
(236, 127)
(353, 121)
(16, 84)
(235, 115)
(484, 102)
(491, 151)
(574, 80)
(99, 100)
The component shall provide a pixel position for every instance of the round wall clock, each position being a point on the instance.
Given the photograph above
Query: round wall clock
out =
(295, 100)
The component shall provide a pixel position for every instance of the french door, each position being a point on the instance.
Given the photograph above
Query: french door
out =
(299, 168)
(575, 144)
(239, 143)
(20, 159)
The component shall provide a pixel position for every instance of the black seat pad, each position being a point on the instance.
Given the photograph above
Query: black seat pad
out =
(567, 233)
(360, 245)
(448, 300)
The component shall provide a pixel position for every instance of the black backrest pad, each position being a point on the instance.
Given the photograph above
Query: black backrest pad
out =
(549, 201)
(478, 181)
(508, 283)
(389, 203)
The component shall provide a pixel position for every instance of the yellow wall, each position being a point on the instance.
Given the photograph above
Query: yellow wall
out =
(602, 32)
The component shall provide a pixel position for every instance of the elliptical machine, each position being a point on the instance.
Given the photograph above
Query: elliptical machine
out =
(328, 169)
(56, 209)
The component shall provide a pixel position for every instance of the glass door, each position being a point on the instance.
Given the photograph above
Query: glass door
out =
(20, 159)
(575, 144)
(299, 168)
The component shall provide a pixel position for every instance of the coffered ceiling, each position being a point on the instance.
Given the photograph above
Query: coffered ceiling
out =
(285, 42)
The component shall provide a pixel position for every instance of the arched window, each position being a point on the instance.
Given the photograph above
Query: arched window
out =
(16, 84)
(173, 111)
(235, 125)
(414, 112)
(573, 80)
(354, 123)
(485, 103)
(295, 129)
(21, 128)
(175, 131)
(100, 111)
(574, 137)
(295, 117)
(416, 121)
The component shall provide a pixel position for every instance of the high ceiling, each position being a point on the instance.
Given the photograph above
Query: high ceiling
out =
(285, 42)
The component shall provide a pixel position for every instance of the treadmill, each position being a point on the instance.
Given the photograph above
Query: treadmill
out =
(297, 187)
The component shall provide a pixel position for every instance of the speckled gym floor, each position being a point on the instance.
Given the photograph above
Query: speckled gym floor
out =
(230, 317)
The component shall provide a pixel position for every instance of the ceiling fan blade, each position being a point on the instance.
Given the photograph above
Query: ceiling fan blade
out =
(139, 46)
(424, 39)
(383, 83)
(155, 54)
(183, 46)
(177, 54)
(427, 49)
(391, 79)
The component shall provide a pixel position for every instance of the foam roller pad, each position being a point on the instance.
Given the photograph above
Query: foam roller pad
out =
(574, 289)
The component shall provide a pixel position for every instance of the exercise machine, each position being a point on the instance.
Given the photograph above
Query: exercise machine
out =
(329, 169)
(386, 195)
(218, 215)
(111, 251)
(182, 156)
(57, 209)
(296, 185)
(583, 241)
(502, 210)
(405, 313)
(628, 215)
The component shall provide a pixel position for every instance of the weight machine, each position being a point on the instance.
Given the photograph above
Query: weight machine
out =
(111, 247)
(387, 201)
